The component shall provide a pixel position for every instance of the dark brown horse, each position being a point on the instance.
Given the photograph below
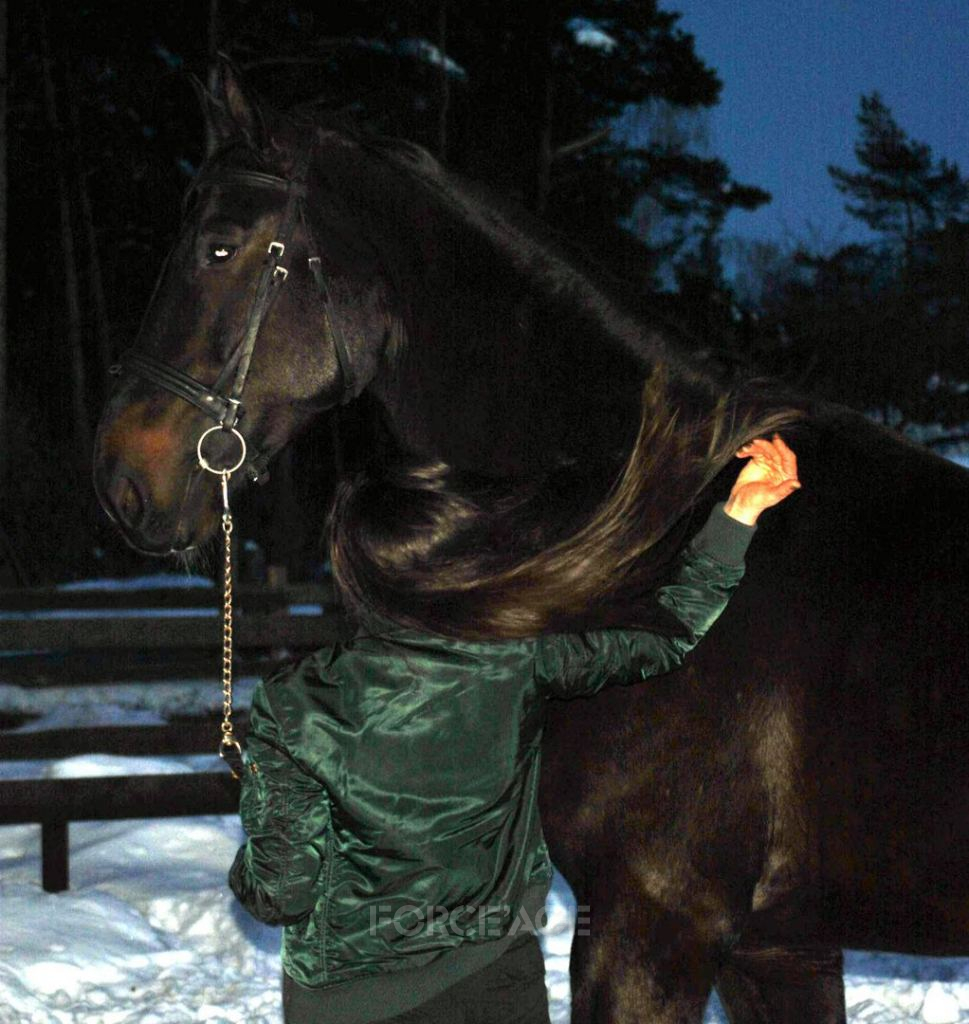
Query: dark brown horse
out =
(735, 823)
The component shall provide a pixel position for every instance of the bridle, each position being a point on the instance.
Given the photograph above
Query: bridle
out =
(222, 400)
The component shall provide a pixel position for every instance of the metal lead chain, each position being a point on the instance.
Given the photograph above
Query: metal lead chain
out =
(229, 749)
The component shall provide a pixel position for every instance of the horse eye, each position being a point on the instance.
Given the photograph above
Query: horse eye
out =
(219, 253)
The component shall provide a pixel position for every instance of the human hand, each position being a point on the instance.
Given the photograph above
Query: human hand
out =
(769, 477)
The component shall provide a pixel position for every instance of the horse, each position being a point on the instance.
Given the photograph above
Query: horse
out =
(734, 823)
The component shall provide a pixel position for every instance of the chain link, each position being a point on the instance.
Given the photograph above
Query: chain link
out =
(228, 742)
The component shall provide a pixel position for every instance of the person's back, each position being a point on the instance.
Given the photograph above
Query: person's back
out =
(426, 751)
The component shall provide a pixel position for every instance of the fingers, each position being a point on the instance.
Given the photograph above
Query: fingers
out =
(759, 446)
(786, 487)
(765, 458)
(774, 455)
(788, 458)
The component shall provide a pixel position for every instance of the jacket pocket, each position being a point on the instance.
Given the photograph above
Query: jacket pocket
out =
(262, 805)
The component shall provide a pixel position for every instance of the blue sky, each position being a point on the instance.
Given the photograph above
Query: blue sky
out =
(792, 74)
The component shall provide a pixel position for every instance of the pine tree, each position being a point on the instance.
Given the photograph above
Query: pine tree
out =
(882, 326)
(900, 192)
(524, 96)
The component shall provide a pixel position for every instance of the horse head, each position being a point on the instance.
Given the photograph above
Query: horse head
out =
(246, 331)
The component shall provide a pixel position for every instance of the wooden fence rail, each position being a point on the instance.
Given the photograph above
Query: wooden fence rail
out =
(54, 803)
(252, 597)
(46, 648)
(180, 633)
(191, 736)
(63, 637)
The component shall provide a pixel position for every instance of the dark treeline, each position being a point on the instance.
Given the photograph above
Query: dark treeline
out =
(884, 326)
(103, 132)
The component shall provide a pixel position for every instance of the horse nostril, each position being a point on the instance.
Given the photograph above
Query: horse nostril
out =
(128, 501)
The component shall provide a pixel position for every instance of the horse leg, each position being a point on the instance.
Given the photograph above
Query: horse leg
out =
(639, 960)
(774, 984)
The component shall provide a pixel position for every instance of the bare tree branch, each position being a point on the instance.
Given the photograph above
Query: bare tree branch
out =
(583, 143)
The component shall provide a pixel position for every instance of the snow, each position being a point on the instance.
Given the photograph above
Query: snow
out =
(421, 49)
(587, 33)
(156, 581)
(149, 932)
(136, 703)
(115, 613)
(948, 441)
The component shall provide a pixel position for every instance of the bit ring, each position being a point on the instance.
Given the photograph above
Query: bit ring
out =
(204, 463)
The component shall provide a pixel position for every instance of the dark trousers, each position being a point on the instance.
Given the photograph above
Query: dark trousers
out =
(511, 990)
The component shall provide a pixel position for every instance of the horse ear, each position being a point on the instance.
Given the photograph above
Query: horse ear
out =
(230, 110)
(216, 127)
(245, 112)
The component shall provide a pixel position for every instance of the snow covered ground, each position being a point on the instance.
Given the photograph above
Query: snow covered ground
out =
(150, 934)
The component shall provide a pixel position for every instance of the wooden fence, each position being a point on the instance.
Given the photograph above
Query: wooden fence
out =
(59, 642)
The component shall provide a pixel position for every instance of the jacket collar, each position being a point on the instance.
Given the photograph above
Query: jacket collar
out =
(371, 623)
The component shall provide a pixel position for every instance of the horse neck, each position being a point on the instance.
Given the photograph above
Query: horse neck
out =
(509, 359)
(506, 358)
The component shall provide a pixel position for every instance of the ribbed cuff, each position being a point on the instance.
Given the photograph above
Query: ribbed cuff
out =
(724, 538)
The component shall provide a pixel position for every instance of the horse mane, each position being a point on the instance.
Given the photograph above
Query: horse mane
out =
(547, 258)
(432, 549)
(574, 544)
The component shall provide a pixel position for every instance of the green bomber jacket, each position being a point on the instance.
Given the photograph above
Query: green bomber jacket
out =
(390, 791)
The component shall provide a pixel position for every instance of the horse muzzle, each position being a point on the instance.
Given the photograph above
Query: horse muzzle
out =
(153, 524)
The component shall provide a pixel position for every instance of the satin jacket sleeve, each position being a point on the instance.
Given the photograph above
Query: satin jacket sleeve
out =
(285, 813)
(705, 575)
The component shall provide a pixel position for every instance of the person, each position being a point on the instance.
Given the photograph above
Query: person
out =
(390, 792)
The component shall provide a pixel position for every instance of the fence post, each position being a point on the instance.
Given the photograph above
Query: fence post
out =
(53, 855)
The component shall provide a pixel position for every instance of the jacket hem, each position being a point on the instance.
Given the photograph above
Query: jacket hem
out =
(381, 996)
